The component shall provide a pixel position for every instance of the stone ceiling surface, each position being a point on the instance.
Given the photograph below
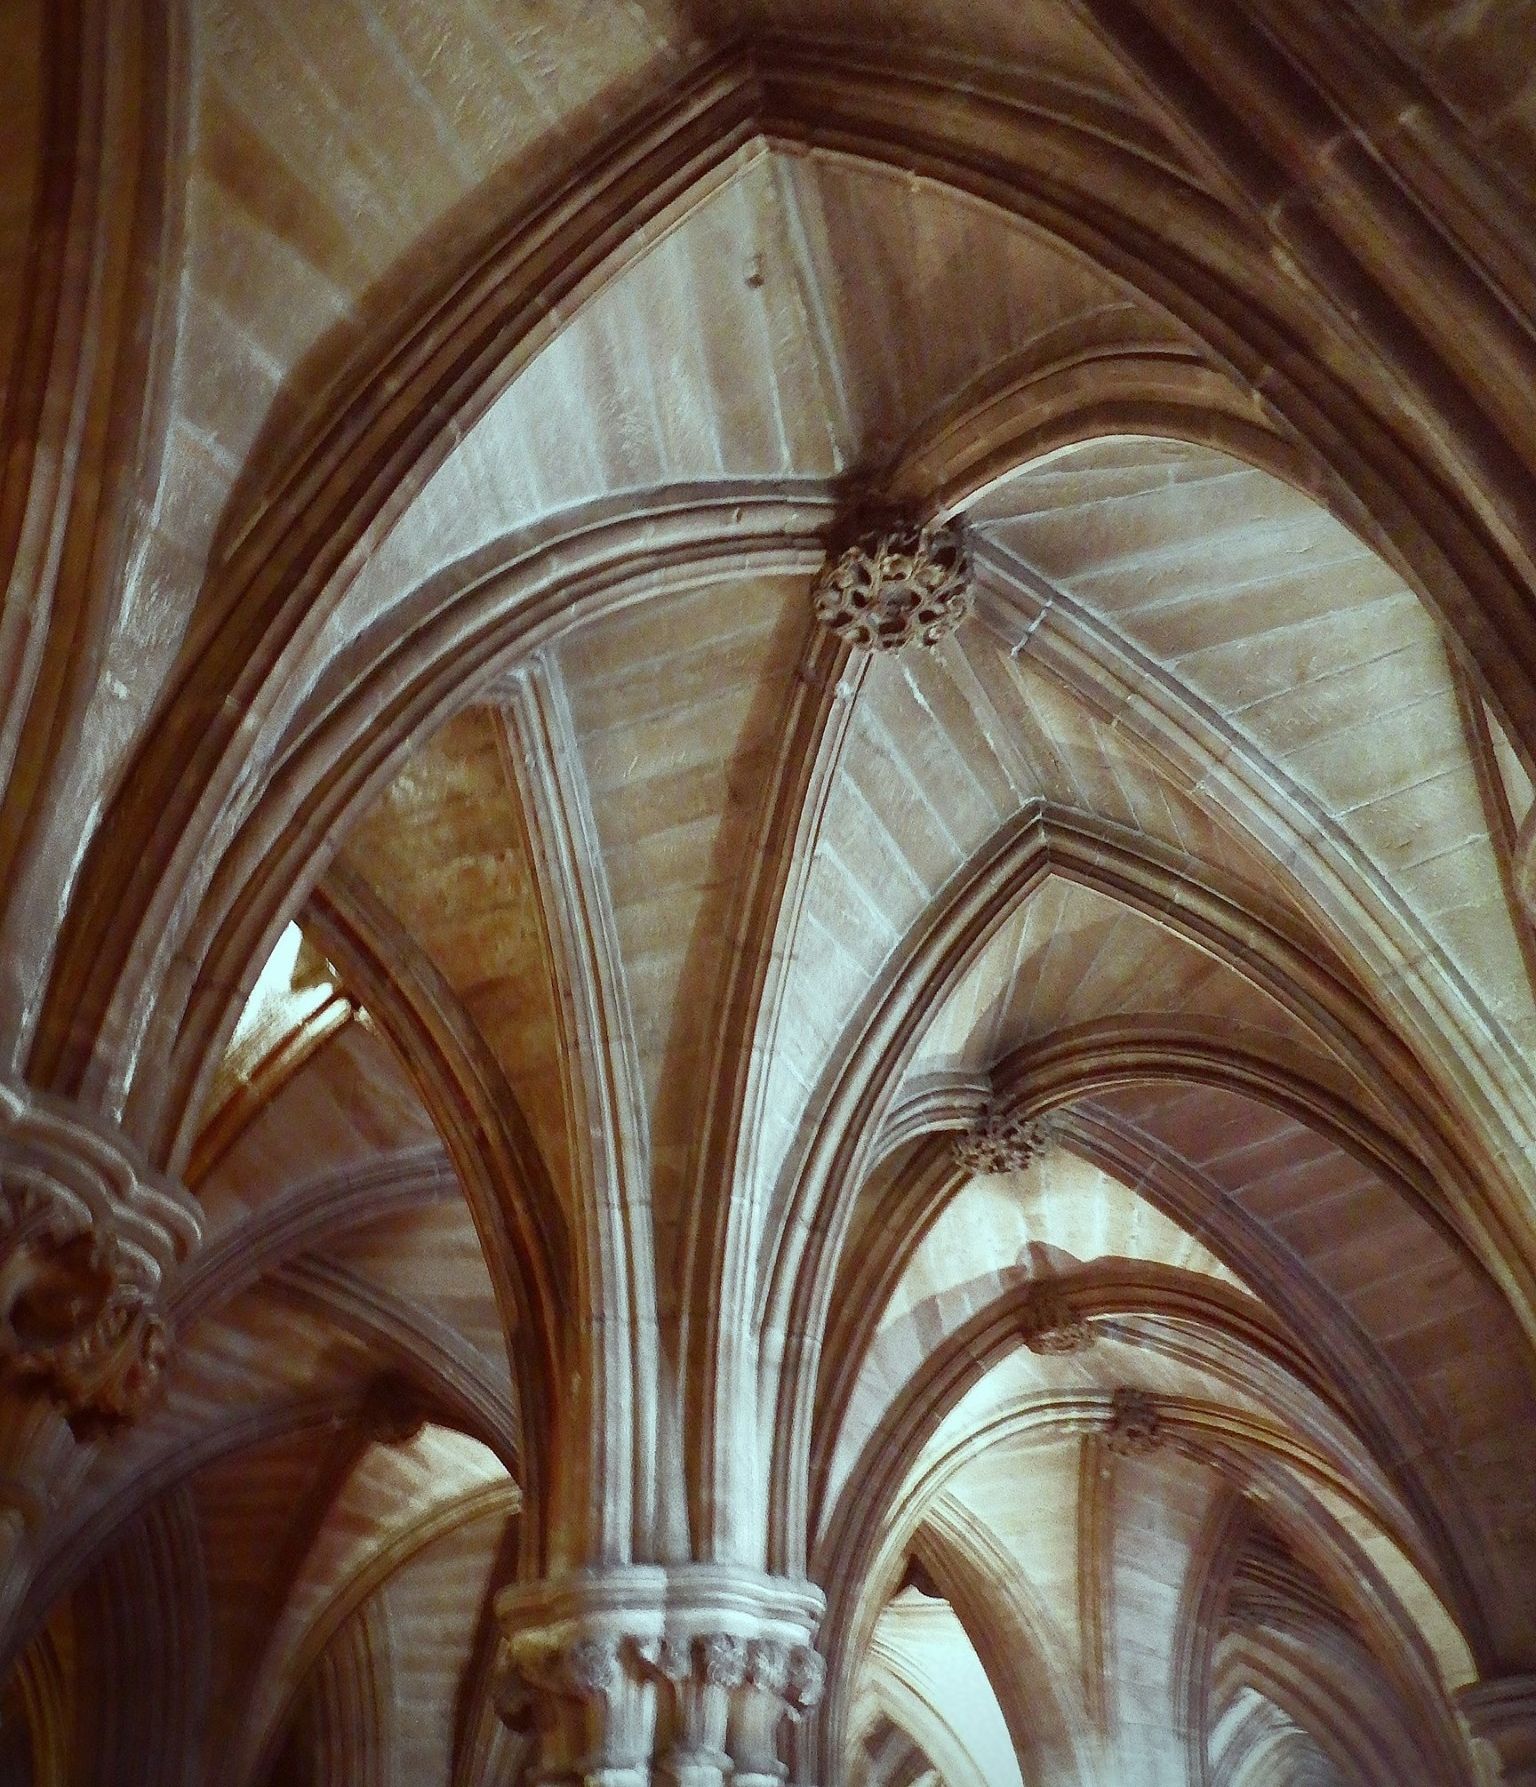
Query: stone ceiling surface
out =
(612, 1173)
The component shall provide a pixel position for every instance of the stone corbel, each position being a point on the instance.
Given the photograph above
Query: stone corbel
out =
(569, 1699)
(88, 1238)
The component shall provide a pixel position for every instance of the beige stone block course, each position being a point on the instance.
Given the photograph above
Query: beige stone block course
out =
(849, 907)
(1296, 685)
(1462, 881)
(1324, 1232)
(1411, 827)
(1312, 595)
(710, 802)
(726, 624)
(869, 822)
(670, 924)
(1373, 759)
(677, 852)
(1481, 939)
(265, 71)
(671, 744)
(1129, 549)
(1289, 723)
(934, 693)
(257, 221)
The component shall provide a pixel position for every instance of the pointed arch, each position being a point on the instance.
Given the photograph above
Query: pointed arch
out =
(499, 1164)
(1044, 164)
(812, 1221)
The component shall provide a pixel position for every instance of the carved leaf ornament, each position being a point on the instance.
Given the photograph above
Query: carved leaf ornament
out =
(901, 583)
(1000, 1142)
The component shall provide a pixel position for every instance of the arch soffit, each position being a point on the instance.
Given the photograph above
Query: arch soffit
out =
(87, 374)
(1232, 1325)
(516, 1213)
(1381, 1407)
(1226, 1532)
(1372, 1411)
(375, 698)
(411, 647)
(303, 1217)
(1327, 866)
(1367, 1390)
(72, 1552)
(971, 1552)
(141, 1632)
(1012, 1632)
(1349, 1364)
(354, 743)
(1340, 912)
(909, 1696)
(312, 1621)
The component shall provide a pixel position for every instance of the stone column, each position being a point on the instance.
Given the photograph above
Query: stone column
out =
(1501, 1712)
(644, 1676)
(88, 1236)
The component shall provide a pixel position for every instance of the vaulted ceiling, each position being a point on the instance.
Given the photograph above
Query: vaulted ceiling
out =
(1026, 1142)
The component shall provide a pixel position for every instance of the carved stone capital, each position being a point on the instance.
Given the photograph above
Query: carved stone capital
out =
(88, 1236)
(1135, 1428)
(1048, 1324)
(590, 1667)
(574, 1700)
(512, 1691)
(722, 1659)
(1000, 1142)
(768, 1665)
(583, 1668)
(897, 582)
(682, 1676)
(669, 1659)
(807, 1679)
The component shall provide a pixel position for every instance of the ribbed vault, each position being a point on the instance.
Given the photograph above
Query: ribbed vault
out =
(710, 1204)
